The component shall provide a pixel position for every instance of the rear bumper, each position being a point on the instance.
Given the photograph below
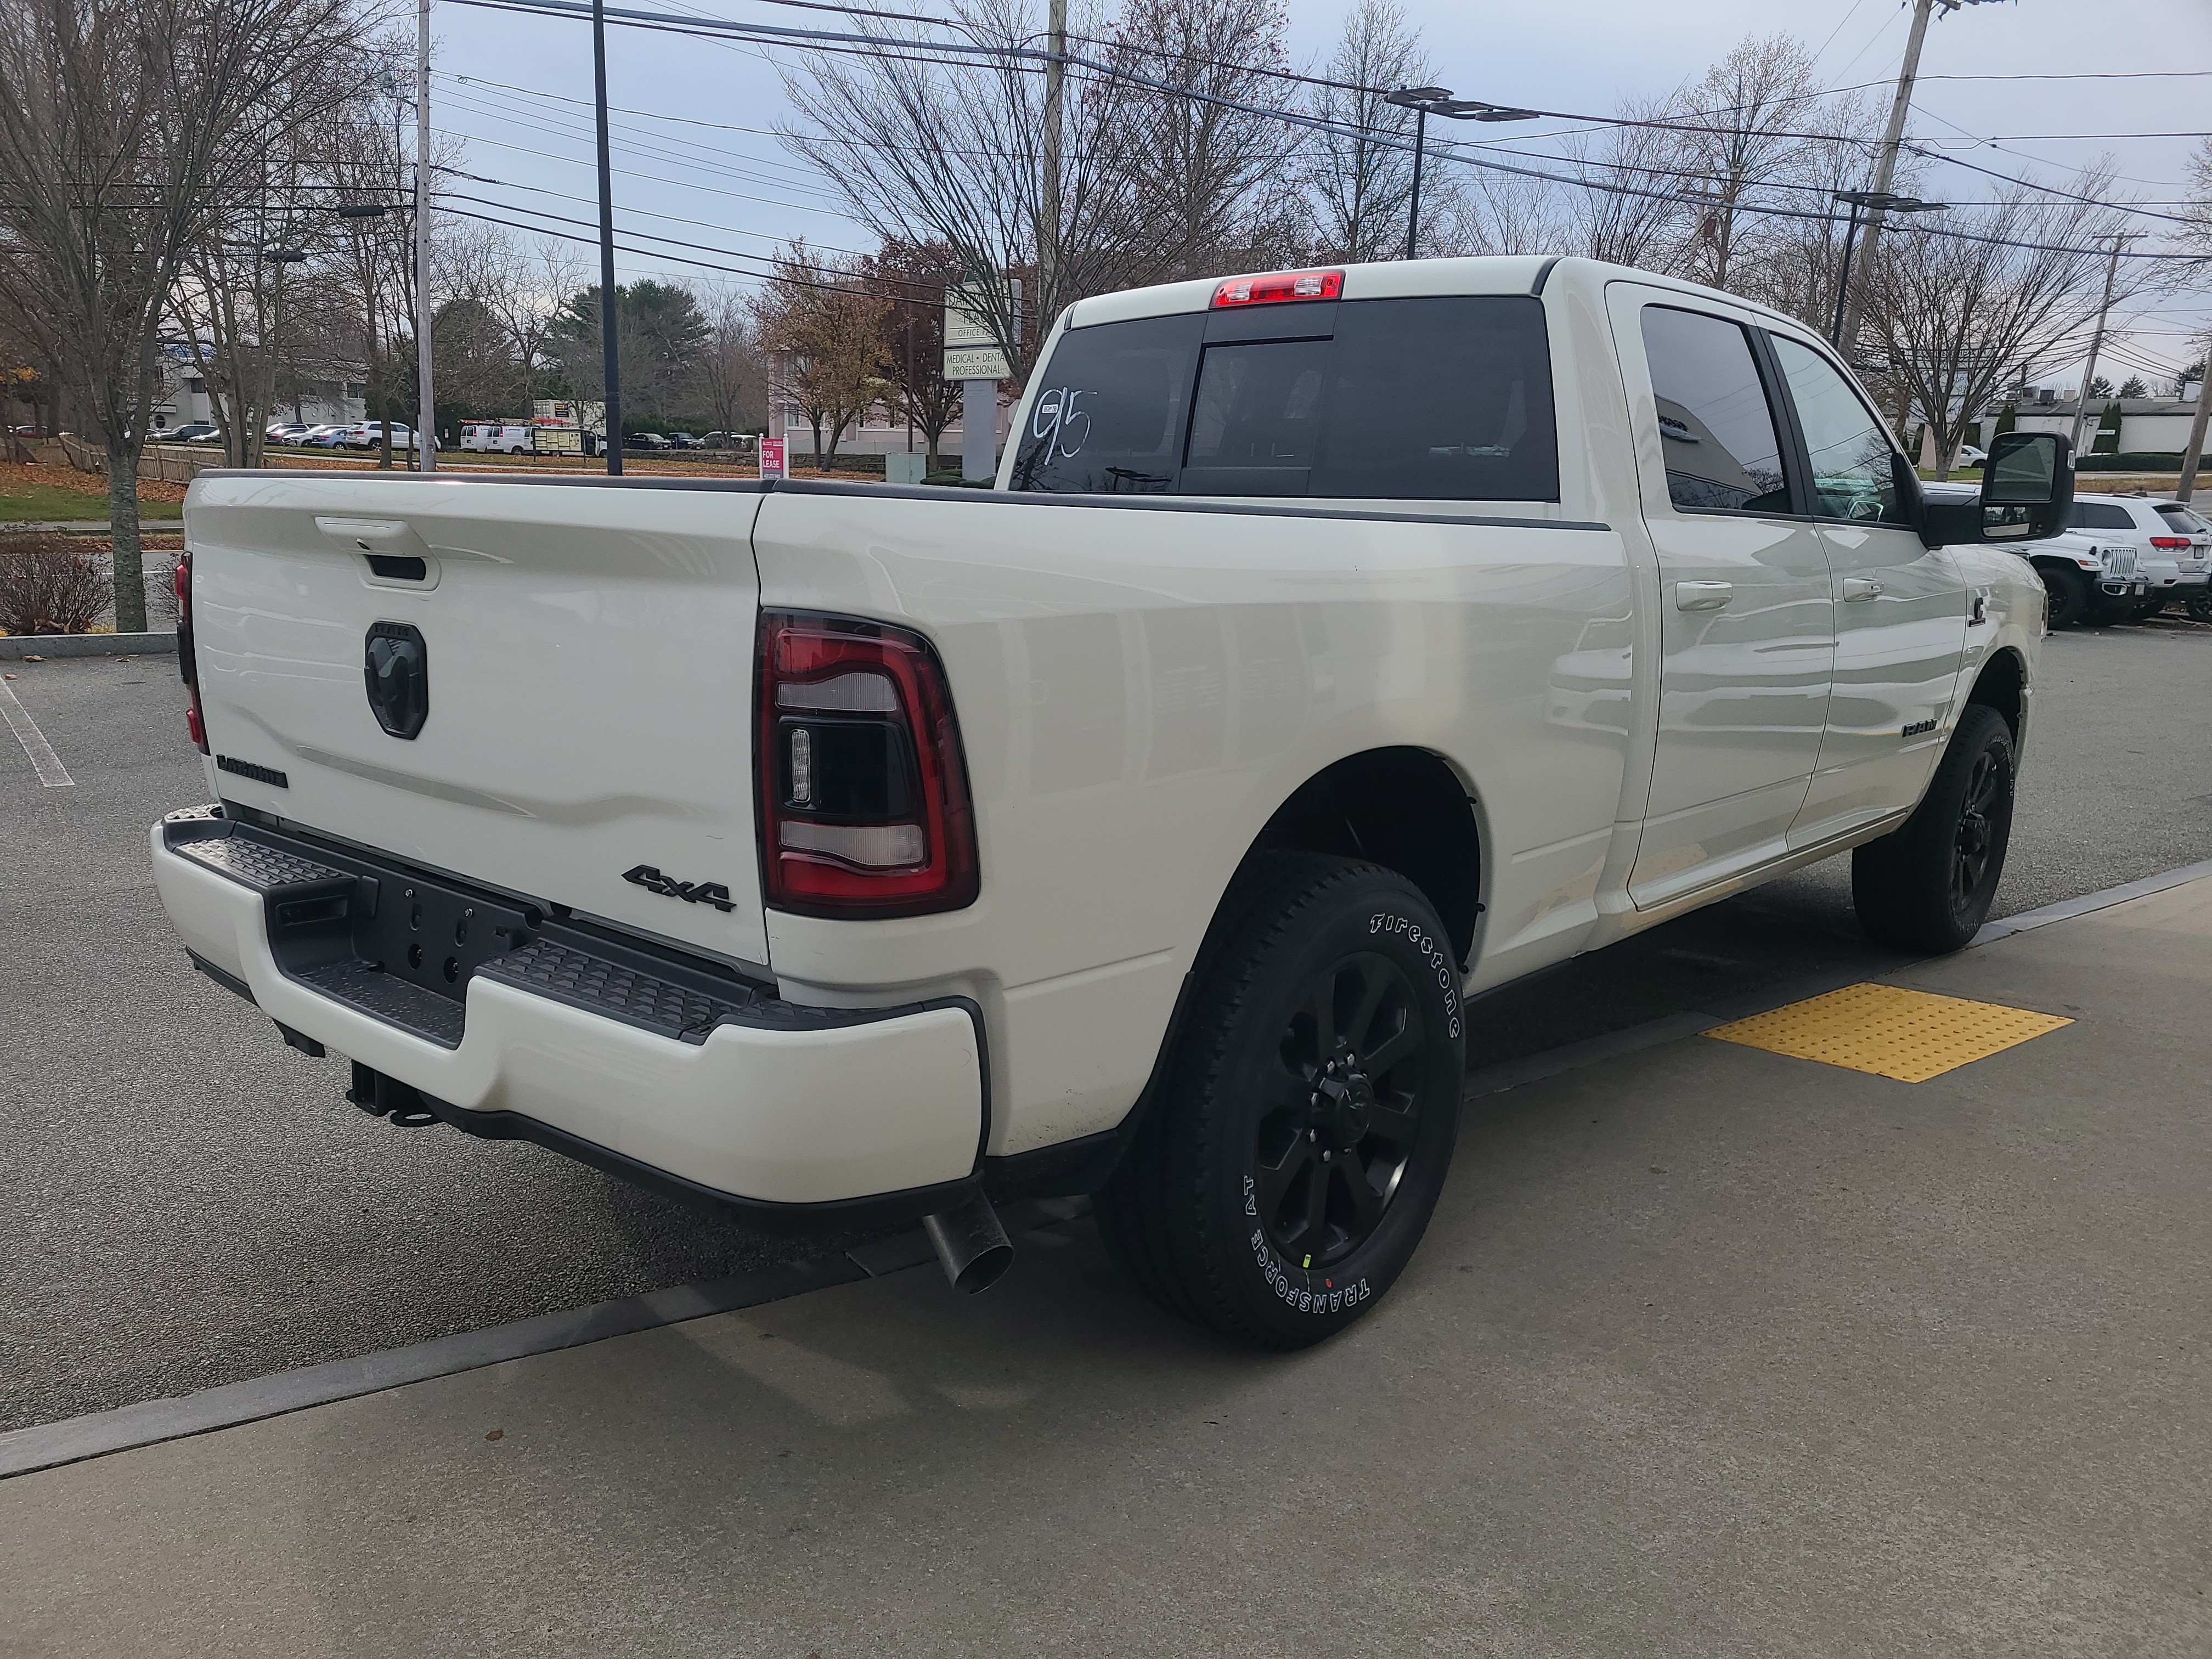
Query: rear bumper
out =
(800, 1115)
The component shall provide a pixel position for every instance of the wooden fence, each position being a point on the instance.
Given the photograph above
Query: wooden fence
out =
(171, 463)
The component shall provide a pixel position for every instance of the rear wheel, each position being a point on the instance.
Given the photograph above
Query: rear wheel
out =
(2199, 605)
(1928, 885)
(1285, 1175)
(2069, 595)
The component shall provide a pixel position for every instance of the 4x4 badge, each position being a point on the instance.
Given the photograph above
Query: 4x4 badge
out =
(705, 893)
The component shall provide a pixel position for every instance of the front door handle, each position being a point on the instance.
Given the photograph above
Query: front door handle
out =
(1703, 596)
(1861, 587)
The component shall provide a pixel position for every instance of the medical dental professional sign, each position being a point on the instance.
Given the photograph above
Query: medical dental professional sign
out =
(971, 353)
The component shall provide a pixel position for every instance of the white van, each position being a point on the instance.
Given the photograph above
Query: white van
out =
(497, 437)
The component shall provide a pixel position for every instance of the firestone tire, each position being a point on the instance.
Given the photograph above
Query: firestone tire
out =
(1289, 1168)
(1927, 885)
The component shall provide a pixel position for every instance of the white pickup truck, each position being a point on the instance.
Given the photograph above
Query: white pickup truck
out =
(1336, 646)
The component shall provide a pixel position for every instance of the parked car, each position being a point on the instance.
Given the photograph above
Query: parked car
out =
(330, 436)
(370, 435)
(644, 440)
(1140, 829)
(212, 435)
(684, 440)
(289, 432)
(186, 433)
(2174, 546)
(2087, 578)
(2184, 520)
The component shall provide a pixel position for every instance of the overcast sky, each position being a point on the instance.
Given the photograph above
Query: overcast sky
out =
(743, 192)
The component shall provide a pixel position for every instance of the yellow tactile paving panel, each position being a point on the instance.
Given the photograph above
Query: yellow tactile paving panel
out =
(1911, 1035)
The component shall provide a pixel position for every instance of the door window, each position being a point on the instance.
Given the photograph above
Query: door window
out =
(2098, 515)
(1848, 448)
(1723, 454)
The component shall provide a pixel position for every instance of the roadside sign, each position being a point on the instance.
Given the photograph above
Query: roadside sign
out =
(771, 459)
(971, 350)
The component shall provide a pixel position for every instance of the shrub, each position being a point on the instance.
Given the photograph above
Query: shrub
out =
(49, 586)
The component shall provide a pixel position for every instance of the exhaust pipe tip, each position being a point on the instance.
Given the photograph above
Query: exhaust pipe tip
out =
(970, 1244)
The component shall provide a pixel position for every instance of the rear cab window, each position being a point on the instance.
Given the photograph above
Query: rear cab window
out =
(1716, 424)
(1444, 398)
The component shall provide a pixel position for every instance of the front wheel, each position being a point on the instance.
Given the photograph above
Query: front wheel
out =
(1290, 1167)
(1927, 885)
(2069, 595)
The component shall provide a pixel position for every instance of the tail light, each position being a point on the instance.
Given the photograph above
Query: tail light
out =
(2172, 542)
(188, 660)
(863, 793)
(1278, 286)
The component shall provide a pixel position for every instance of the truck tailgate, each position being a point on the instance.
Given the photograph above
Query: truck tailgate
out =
(588, 656)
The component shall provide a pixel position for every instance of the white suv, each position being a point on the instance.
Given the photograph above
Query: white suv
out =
(2174, 546)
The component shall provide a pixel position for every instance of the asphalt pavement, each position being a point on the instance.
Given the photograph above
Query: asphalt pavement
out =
(1710, 1352)
(185, 1202)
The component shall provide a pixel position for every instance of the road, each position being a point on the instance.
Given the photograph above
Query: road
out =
(186, 1202)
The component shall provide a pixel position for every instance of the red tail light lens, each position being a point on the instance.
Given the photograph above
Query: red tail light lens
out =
(2169, 541)
(188, 660)
(1278, 286)
(863, 789)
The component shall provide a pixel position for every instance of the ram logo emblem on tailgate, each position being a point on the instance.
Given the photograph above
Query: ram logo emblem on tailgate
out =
(397, 664)
(705, 893)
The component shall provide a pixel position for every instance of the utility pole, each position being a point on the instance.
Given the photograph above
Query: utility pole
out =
(2096, 343)
(1884, 172)
(426, 403)
(609, 340)
(2196, 435)
(1055, 72)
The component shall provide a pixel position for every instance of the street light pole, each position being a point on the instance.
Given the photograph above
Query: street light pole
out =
(1875, 201)
(1426, 101)
(610, 342)
(426, 411)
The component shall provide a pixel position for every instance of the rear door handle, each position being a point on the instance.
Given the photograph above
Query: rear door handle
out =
(1861, 587)
(1703, 596)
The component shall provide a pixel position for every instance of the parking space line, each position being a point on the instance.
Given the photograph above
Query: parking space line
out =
(46, 763)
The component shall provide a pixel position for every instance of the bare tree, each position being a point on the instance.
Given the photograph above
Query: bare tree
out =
(733, 381)
(1957, 318)
(911, 280)
(1207, 177)
(1357, 174)
(927, 152)
(525, 290)
(1630, 211)
(823, 331)
(124, 125)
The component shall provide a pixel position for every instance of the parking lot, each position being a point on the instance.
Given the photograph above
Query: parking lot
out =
(186, 1202)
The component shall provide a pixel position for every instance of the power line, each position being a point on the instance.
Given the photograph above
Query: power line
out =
(902, 49)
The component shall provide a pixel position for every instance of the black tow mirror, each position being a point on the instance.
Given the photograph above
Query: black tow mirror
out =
(2027, 494)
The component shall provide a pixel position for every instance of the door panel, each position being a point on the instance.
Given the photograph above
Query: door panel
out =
(1901, 610)
(1746, 626)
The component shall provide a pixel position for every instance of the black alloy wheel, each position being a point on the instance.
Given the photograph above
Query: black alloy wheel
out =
(1928, 885)
(1304, 1120)
(2199, 605)
(1330, 1153)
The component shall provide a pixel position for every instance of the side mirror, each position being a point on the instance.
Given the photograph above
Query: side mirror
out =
(2027, 492)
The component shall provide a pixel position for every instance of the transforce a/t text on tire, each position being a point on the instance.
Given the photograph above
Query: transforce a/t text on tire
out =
(1289, 1166)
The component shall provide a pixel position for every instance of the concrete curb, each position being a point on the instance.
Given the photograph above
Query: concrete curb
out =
(14, 647)
(96, 1434)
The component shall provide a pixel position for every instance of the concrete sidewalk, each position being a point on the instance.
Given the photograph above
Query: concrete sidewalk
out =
(1709, 1351)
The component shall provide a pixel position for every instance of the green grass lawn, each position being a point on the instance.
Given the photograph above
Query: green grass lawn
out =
(36, 503)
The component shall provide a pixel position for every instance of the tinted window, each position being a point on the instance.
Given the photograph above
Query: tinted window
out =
(1437, 399)
(2181, 520)
(2100, 515)
(1722, 453)
(1109, 415)
(1256, 426)
(1440, 399)
(1847, 447)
